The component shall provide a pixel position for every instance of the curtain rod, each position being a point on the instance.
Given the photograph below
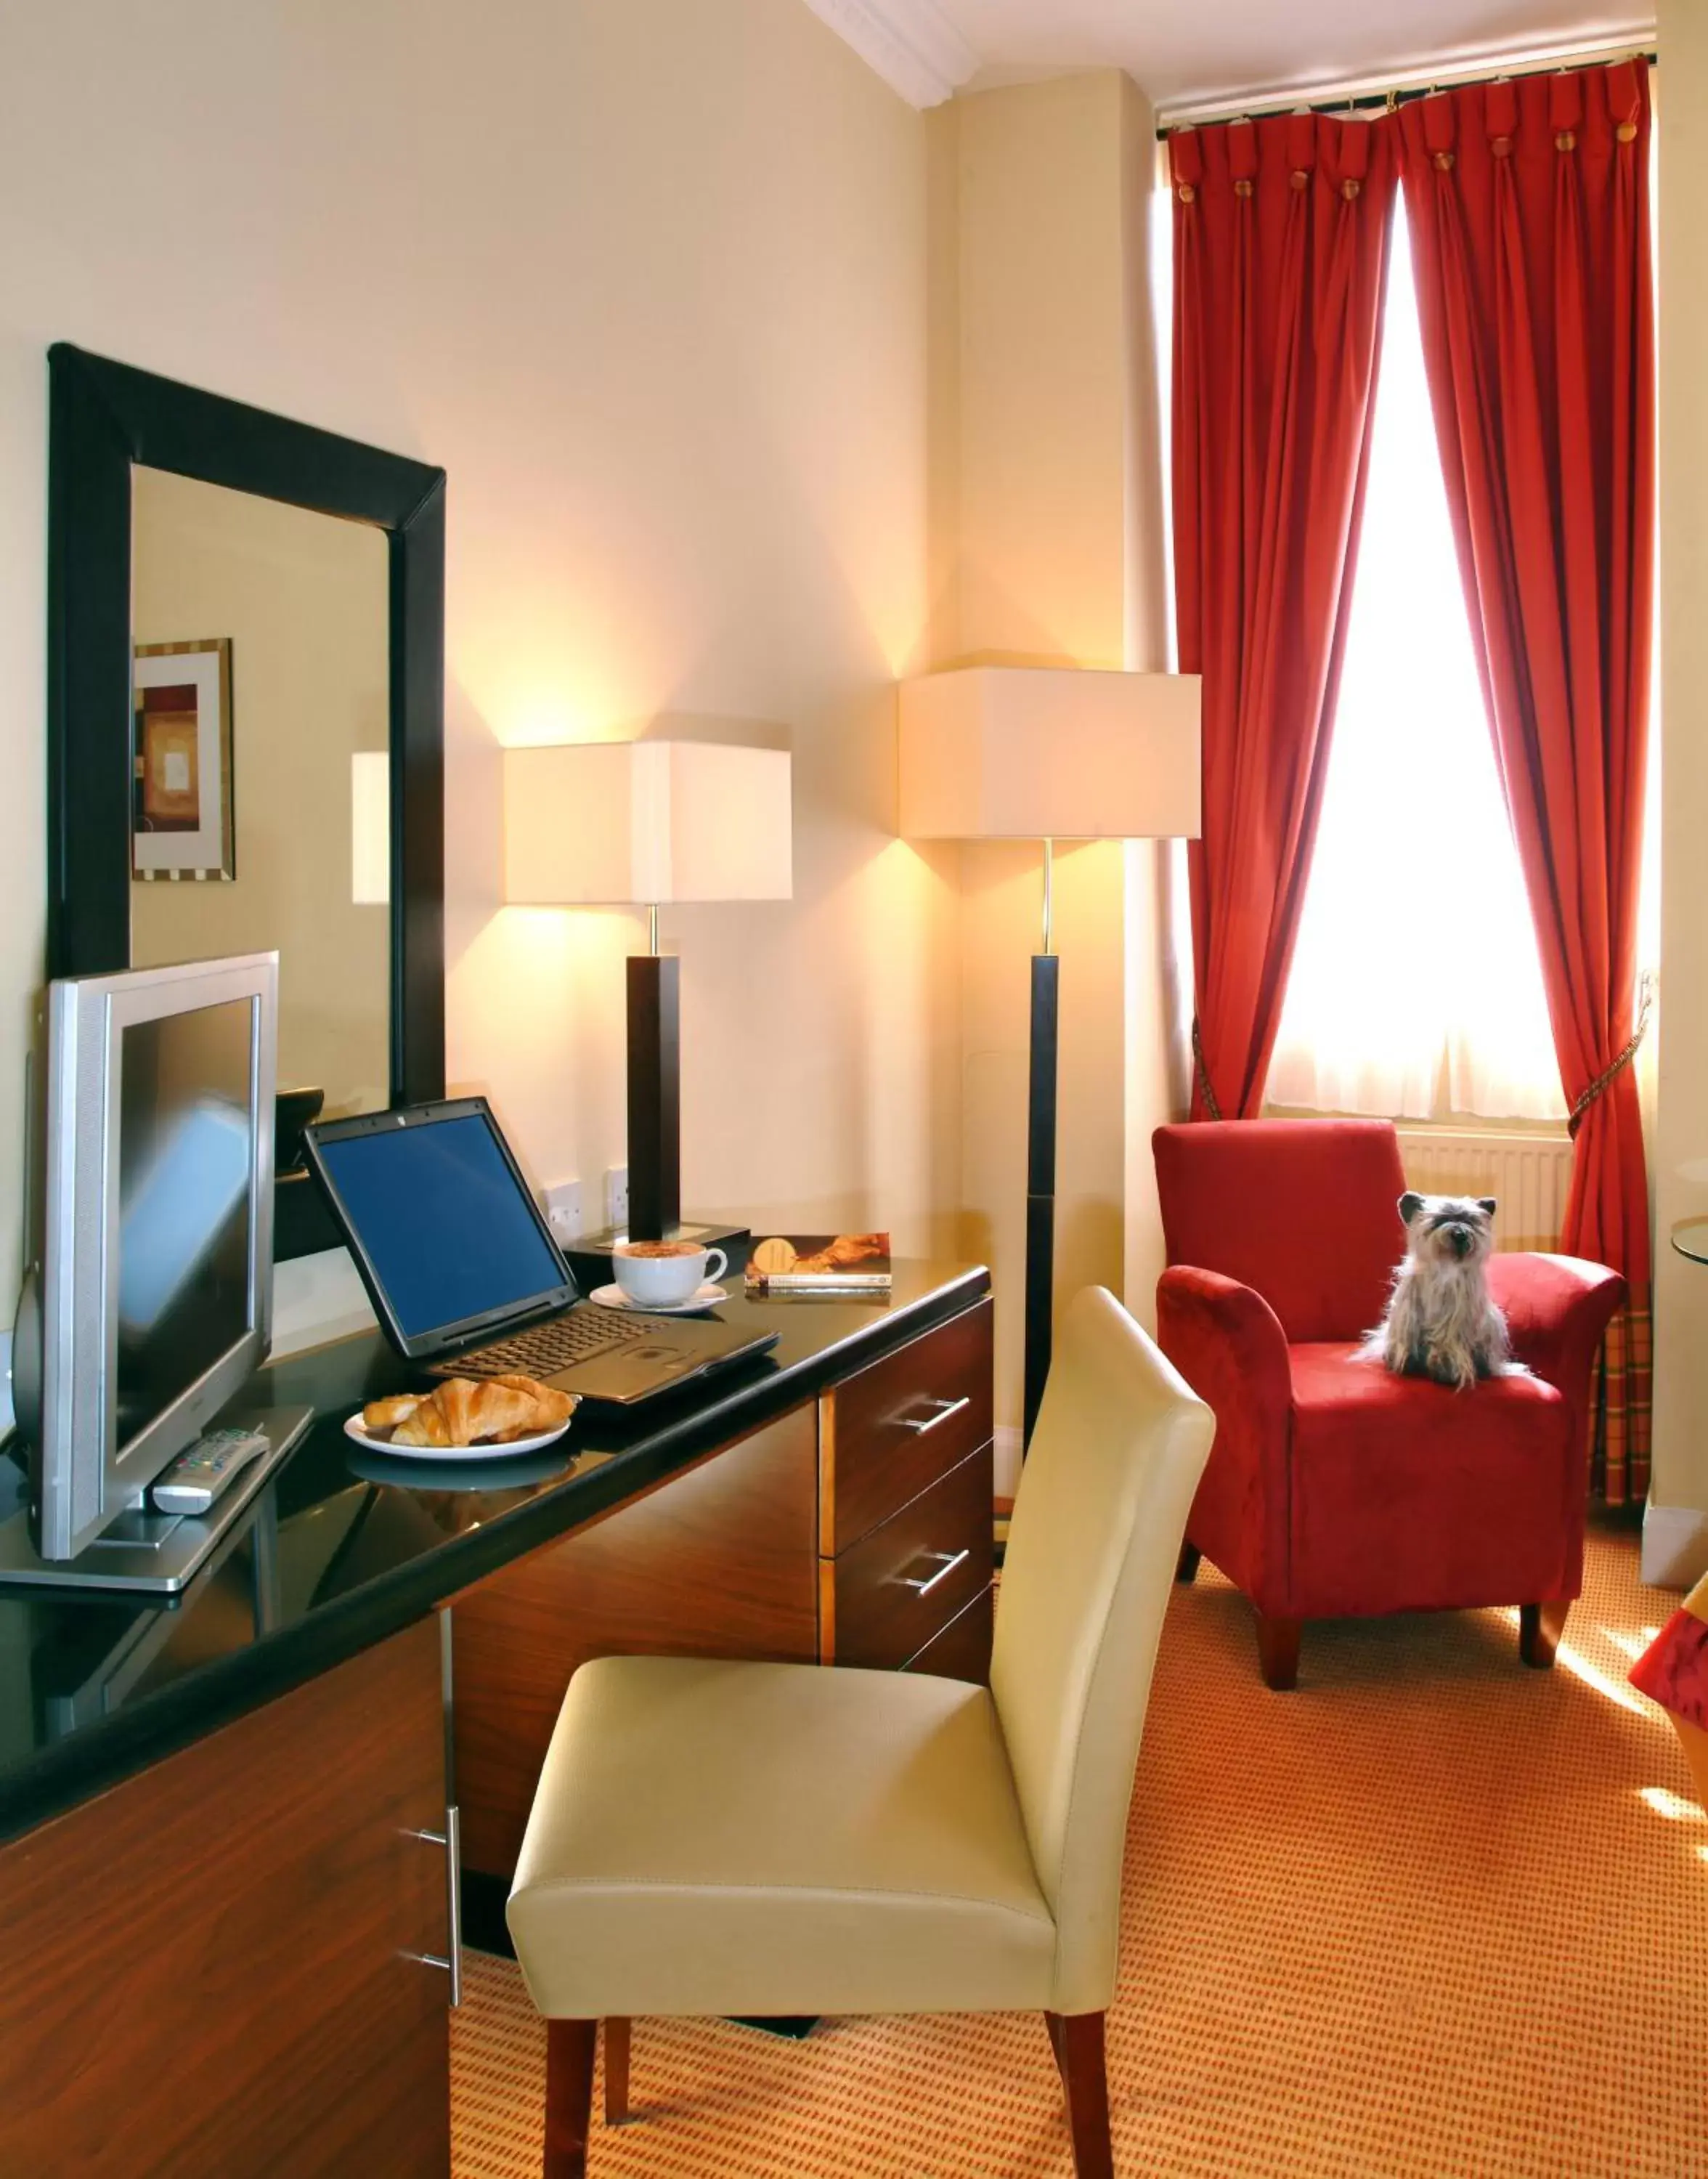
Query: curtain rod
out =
(1354, 97)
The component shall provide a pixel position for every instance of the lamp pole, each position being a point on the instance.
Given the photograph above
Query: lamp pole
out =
(1040, 1163)
(654, 1091)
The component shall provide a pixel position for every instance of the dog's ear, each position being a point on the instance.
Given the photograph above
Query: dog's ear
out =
(1488, 1203)
(1409, 1206)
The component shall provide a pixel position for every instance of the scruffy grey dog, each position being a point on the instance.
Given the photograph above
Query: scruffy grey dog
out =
(1440, 1322)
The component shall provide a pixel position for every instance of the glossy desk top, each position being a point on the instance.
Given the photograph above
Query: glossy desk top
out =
(343, 1548)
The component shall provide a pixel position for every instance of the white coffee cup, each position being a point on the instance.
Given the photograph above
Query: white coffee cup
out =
(662, 1274)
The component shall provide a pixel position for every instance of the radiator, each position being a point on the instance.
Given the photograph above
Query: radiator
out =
(1529, 1175)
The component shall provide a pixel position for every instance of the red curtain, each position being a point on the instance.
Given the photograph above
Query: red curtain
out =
(1528, 207)
(1280, 249)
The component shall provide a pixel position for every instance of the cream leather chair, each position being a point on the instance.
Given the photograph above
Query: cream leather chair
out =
(716, 1838)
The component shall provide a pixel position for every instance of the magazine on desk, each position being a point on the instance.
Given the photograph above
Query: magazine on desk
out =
(856, 1264)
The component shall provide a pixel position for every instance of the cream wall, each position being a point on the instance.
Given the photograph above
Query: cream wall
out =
(649, 280)
(1046, 550)
(304, 600)
(1675, 1539)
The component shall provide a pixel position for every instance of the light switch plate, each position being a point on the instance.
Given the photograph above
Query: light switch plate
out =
(616, 1195)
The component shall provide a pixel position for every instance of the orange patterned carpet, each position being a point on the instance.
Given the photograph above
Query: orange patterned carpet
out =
(1432, 1917)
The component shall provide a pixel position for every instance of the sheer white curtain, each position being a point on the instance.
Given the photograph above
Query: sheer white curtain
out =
(1417, 990)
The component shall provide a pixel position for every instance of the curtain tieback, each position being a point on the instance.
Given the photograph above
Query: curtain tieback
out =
(1574, 1118)
(1204, 1090)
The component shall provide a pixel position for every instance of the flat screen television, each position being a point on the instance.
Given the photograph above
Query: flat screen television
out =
(150, 1304)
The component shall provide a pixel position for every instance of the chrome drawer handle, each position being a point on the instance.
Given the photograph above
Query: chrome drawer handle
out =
(944, 1408)
(924, 1588)
(451, 1838)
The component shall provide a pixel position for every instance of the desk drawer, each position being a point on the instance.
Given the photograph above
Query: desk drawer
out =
(891, 1593)
(962, 1650)
(889, 1432)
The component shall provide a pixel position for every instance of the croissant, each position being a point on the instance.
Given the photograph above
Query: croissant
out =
(461, 1411)
(546, 1407)
(386, 1415)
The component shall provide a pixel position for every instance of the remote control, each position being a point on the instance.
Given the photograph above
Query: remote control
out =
(195, 1478)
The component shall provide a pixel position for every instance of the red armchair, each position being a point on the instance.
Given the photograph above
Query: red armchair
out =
(1335, 1488)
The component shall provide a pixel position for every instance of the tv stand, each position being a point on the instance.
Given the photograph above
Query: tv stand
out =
(155, 1553)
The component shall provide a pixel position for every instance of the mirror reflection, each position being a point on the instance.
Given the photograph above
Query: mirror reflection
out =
(262, 641)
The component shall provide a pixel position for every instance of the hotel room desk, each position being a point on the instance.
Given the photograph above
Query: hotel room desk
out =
(214, 1885)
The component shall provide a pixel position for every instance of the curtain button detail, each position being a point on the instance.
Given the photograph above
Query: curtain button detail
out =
(1443, 163)
(1350, 187)
(1627, 132)
(1501, 146)
(1242, 188)
(1567, 140)
(1299, 178)
(1188, 193)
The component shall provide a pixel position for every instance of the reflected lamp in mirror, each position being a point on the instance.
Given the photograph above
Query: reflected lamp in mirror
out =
(370, 828)
(1047, 752)
(647, 824)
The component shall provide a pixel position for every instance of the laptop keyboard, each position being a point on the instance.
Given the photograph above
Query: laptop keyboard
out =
(544, 1349)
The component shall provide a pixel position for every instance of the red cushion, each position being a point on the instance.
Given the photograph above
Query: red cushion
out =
(1304, 1210)
(1408, 1497)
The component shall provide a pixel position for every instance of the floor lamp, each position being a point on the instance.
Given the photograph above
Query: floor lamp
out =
(644, 824)
(1043, 753)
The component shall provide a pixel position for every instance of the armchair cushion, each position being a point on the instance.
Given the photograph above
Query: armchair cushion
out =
(1305, 1211)
(730, 1837)
(1409, 1497)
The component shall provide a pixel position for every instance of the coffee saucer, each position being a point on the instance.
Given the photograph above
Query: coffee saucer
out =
(707, 1297)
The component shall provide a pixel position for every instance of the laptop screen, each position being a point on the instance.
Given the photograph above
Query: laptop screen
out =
(447, 1229)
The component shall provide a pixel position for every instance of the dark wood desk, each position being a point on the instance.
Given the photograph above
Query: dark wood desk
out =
(277, 2015)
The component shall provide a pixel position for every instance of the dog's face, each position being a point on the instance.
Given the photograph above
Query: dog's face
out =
(1448, 1229)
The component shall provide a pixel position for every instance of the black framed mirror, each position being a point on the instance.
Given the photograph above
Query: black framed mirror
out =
(112, 427)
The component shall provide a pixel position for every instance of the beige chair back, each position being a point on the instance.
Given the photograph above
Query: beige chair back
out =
(1120, 1442)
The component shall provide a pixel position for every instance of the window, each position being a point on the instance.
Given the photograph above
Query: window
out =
(1417, 990)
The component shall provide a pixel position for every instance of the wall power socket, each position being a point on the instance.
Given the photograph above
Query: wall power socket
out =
(563, 1210)
(617, 1198)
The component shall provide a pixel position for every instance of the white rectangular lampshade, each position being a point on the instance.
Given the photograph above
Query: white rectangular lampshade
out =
(370, 828)
(644, 821)
(1026, 752)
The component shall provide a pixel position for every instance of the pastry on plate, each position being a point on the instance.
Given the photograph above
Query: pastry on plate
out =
(469, 1411)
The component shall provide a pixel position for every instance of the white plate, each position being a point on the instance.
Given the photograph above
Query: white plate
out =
(380, 1441)
(706, 1297)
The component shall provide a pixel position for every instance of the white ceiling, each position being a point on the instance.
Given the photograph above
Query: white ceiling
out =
(1185, 51)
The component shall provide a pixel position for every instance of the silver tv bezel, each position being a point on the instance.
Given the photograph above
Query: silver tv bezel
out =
(84, 1479)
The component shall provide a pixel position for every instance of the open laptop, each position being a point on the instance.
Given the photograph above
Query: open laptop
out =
(464, 1275)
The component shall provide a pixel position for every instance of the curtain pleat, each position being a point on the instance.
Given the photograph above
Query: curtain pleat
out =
(1281, 231)
(1529, 213)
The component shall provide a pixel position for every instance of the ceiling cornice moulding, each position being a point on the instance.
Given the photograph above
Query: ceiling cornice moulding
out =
(911, 43)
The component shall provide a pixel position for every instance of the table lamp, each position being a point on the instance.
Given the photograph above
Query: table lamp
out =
(646, 824)
(1046, 753)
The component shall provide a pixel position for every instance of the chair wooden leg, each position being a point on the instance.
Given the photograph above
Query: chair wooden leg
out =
(1077, 2040)
(569, 2049)
(1539, 1628)
(1052, 2022)
(1187, 1565)
(617, 2054)
(1277, 1650)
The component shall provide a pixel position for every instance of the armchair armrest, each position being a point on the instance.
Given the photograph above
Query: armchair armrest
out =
(1557, 1309)
(1227, 1344)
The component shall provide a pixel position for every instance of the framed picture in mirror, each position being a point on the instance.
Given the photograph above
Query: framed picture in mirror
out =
(183, 823)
